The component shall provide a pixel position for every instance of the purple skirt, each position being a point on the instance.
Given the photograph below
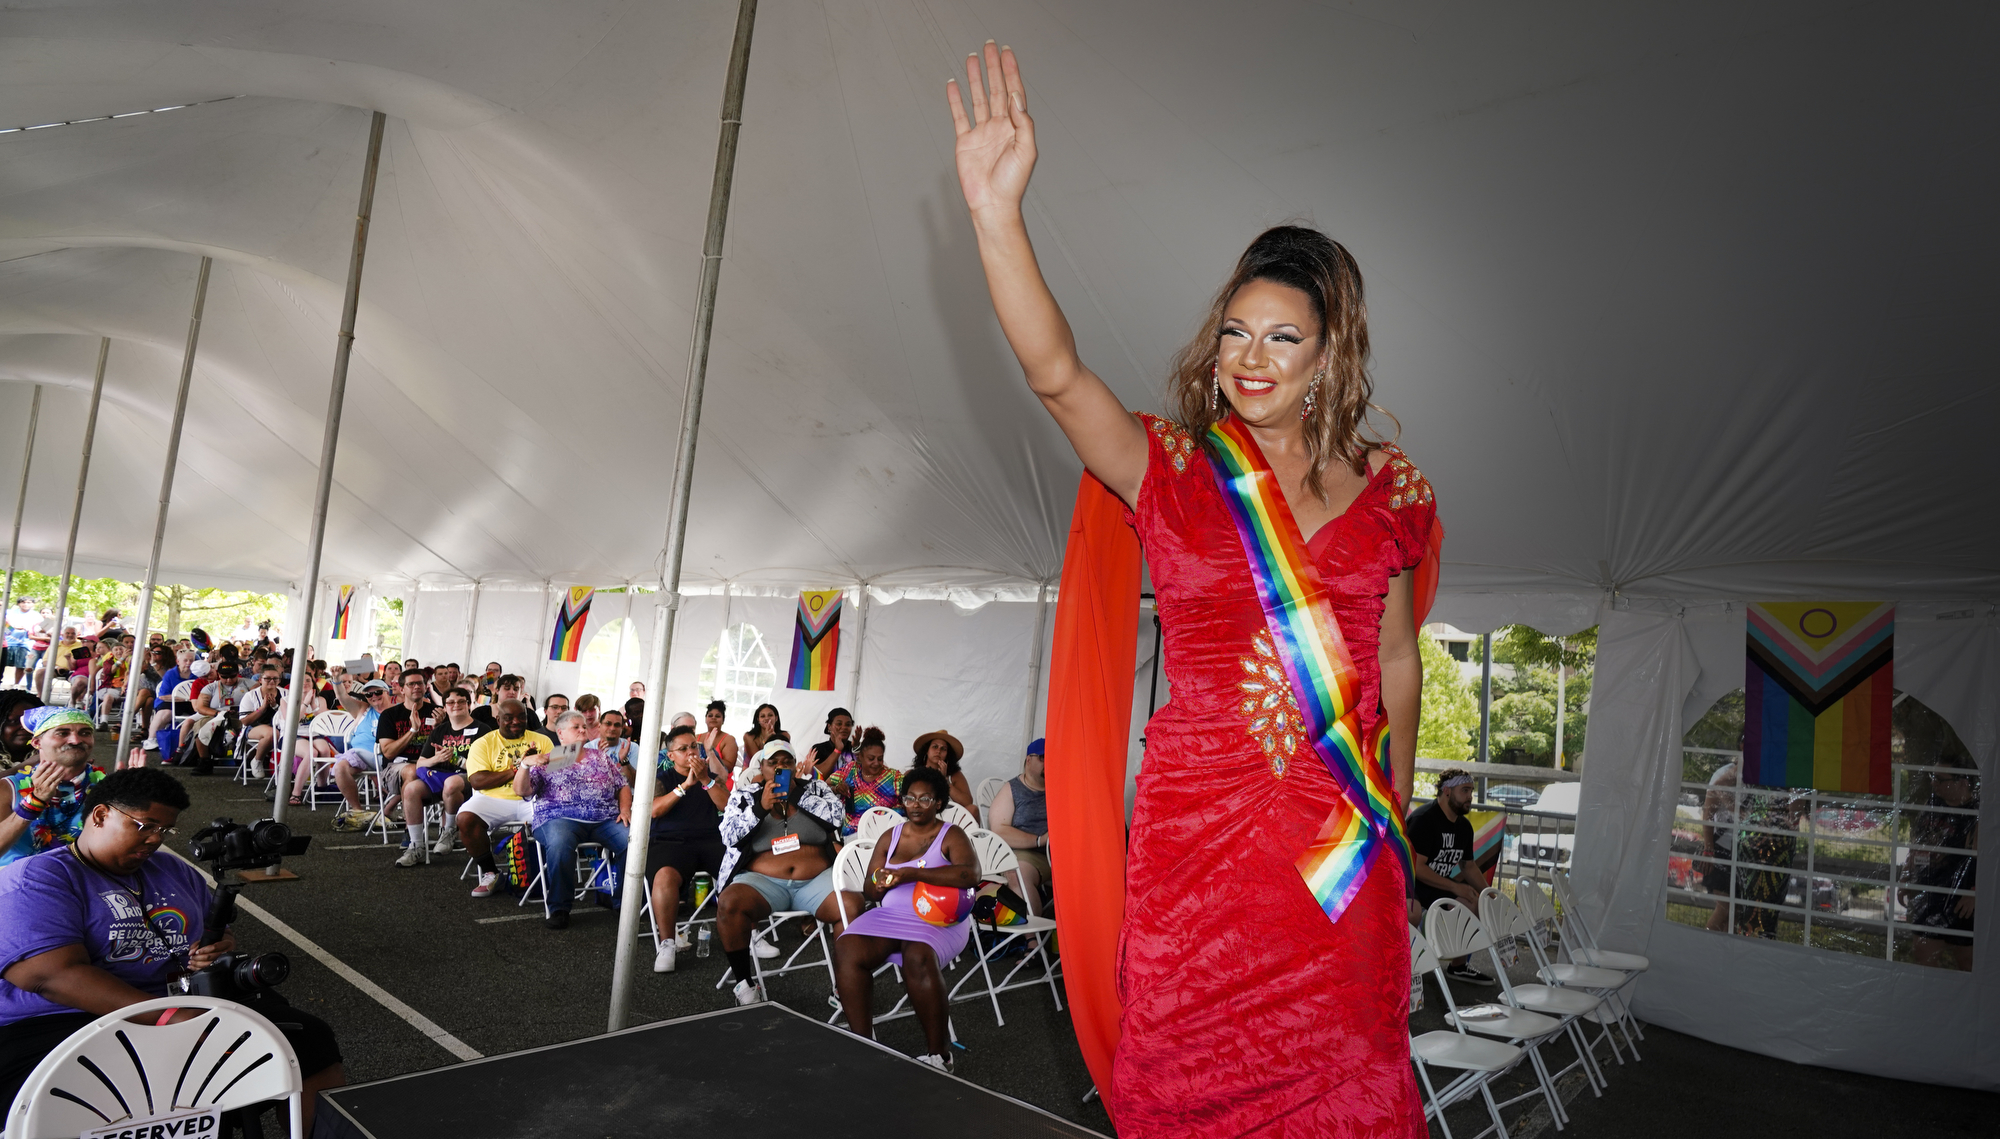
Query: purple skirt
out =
(896, 919)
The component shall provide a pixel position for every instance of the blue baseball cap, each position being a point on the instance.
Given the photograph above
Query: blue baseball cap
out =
(1039, 747)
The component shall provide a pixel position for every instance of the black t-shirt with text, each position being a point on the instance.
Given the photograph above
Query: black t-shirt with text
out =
(452, 743)
(1442, 843)
(396, 721)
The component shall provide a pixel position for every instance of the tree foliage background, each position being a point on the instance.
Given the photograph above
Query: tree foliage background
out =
(1524, 703)
(176, 608)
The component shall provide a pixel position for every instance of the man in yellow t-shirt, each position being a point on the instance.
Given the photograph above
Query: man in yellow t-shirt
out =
(489, 768)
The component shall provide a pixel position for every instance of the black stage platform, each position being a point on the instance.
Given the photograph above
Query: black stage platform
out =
(758, 1070)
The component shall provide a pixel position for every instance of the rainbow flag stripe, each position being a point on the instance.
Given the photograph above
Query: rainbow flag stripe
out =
(343, 605)
(1819, 691)
(567, 644)
(815, 641)
(1324, 680)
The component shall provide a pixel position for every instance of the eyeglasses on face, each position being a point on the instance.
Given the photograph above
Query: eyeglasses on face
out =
(920, 800)
(145, 827)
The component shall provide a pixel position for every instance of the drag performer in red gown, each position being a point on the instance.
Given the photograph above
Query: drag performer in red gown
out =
(1263, 962)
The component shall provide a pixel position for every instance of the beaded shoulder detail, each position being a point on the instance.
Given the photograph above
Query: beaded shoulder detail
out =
(1174, 440)
(1407, 485)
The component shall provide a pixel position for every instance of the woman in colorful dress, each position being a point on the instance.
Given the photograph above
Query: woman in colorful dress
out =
(865, 780)
(1267, 993)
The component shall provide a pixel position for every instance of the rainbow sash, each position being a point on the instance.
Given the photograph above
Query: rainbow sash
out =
(1324, 680)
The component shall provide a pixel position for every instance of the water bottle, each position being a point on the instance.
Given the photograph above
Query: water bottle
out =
(702, 885)
(1416, 993)
(701, 942)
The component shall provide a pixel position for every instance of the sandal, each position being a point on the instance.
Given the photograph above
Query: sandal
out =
(296, 801)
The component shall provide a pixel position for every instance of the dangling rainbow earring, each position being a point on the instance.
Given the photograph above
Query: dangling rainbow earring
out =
(1215, 390)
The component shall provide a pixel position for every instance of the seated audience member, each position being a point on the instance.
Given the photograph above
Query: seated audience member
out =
(635, 706)
(178, 666)
(392, 674)
(922, 872)
(45, 805)
(554, 708)
(490, 766)
(438, 773)
(79, 671)
(765, 725)
(406, 726)
(1441, 850)
(940, 751)
(614, 736)
(836, 749)
(443, 679)
(508, 687)
(363, 753)
(101, 924)
(17, 740)
(215, 700)
(258, 712)
(686, 834)
(715, 742)
(1019, 814)
(779, 829)
(587, 705)
(487, 687)
(865, 780)
(62, 655)
(107, 680)
(585, 800)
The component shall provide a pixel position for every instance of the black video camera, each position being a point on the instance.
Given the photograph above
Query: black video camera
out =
(238, 975)
(226, 844)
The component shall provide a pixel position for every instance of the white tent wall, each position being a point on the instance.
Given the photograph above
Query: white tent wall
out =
(1658, 670)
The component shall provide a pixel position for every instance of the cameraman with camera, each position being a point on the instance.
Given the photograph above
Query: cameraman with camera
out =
(100, 924)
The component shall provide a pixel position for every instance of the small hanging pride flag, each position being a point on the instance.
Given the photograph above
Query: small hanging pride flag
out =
(567, 644)
(815, 640)
(1818, 692)
(342, 607)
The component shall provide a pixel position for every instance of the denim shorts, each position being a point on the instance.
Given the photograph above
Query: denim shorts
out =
(788, 893)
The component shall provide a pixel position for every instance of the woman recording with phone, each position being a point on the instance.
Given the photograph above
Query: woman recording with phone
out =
(779, 827)
(100, 924)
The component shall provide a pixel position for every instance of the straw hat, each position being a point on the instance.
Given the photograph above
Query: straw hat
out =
(923, 744)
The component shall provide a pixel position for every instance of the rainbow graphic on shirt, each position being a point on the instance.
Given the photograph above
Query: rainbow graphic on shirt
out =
(815, 641)
(1299, 614)
(567, 643)
(343, 605)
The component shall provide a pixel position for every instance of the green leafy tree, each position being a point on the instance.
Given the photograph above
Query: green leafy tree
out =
(1451, 706)
(1524, 703)
(88, 596)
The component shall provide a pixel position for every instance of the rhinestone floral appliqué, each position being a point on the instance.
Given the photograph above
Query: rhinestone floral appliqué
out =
(1272, 710)
(1174, 440)
(1407, 484)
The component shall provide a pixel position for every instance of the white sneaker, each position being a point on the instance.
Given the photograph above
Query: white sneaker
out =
(486, 883)
(941, 1063)
(663, 961)
(749, 993)
(443, 844)
(413, 855)
(764, 949)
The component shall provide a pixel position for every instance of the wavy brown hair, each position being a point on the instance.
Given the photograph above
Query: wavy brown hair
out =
(1321, 268)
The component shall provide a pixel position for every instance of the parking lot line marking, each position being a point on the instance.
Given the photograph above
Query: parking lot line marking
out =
(509, 917)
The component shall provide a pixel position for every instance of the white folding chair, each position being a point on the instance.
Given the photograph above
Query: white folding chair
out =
(873, 822)
(1506, 925)
(953, 813)
(586, 860)
(333, 729)
(983, 795)
(1546, 929)
(1478, 1061)
(996, 860)
(1461, 935)
(1581, 943)
(183, 693)
(114, 1073)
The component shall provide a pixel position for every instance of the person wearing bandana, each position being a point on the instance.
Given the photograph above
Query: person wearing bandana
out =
(1441, 841)
(45, 803)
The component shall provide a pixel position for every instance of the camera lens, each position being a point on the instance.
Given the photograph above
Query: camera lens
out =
(270, 836)
(264, 971)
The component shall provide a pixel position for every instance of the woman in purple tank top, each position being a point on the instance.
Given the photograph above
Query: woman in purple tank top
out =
(922, 874)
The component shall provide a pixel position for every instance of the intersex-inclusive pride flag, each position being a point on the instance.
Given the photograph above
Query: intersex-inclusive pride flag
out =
(1818, 691)
(568, 641)
(342, 606)
(815, 640)
(1487, 829)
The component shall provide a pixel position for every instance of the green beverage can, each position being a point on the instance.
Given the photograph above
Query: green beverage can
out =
(702, 885)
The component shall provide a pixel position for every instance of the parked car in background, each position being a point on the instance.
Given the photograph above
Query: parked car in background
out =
(1512, 795)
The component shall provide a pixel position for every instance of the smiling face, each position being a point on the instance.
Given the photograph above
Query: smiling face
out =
(66, 744)
(870, 761)
(14, 735)
(838, 728)
(1268, 350)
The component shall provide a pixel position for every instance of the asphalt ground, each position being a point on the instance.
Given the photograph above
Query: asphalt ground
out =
(500, 986)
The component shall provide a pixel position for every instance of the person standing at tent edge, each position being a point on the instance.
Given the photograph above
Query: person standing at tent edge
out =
(1268, 994)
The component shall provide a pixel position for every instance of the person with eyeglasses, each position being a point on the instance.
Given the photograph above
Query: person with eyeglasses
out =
(687, 833)
(45, 805)
(779, 829)
(98, 923)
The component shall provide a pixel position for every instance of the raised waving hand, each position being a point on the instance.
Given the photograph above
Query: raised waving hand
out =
(995, 154)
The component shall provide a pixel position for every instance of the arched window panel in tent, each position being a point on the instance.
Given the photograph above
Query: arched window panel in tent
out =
(1884, 876)
(737, 669)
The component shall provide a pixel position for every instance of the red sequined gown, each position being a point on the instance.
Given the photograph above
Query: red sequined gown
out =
(1246, 1012)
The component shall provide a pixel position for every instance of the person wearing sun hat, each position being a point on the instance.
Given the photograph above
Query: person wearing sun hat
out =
(45, 804)
(941, 751)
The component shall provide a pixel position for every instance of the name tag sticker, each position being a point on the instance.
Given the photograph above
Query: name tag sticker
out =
(784, 844)
(193, 1125)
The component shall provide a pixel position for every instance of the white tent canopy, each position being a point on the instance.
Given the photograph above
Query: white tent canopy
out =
(1676, 303)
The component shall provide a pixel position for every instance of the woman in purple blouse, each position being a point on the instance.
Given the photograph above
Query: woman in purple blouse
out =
(579, 795)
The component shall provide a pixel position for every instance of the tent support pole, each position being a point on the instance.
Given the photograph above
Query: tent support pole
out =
(76, 515)
(656, 680)
(329, 447)
(1035, 663)
(471, 622)
(21, 501)
(136, 666)
(1486, 698)
(618, 662)
(1561, 677)
(860, 645)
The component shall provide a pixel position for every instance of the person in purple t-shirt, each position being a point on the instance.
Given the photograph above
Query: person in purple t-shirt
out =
(102, 923)
(580, 795)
